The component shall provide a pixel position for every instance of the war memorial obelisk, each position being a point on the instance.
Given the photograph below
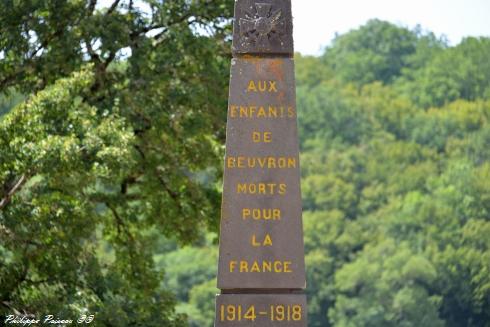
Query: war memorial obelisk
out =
(261, 271)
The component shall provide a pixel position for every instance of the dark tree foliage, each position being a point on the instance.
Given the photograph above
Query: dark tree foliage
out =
(462, 72)
(116, 145)
(378, 51)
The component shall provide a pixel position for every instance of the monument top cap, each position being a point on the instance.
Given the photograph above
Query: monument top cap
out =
(263, 27)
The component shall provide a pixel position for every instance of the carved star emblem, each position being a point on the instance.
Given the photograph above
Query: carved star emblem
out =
(263, 25)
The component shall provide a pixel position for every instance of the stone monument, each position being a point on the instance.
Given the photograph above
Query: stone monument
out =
(261, 271)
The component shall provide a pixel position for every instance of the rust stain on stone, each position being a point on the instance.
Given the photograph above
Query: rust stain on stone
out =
(277, 69)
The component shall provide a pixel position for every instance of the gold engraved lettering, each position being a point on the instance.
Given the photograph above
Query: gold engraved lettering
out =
(241, 188)
(257, 266)
(267, 266)
(272, 87)
(261, 214)
(261, 162)
(244, 112)
(252, 87)
(262, 86)
(261, 188)
(272, 112)
(266, 242)
(232, 265)
(243, 266)
(265, 137)
(240, 164)
(282, 189)
(262, 112)
(233, 111)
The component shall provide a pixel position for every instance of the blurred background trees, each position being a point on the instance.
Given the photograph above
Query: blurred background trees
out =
(395, 181)
(111, 161)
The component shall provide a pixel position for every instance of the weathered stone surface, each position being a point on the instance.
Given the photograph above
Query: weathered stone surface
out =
(263, 27)
(261, 244)
(260, 310)
(261, 236)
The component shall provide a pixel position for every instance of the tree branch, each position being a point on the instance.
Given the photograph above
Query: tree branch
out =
(120, 223)
(128, 181)
(110, 58)
(6, 200)
(175, 22)
(172, 194)
(93, 55)
(29, 61)
(7, 304)
(113, 7)
(91, 6)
